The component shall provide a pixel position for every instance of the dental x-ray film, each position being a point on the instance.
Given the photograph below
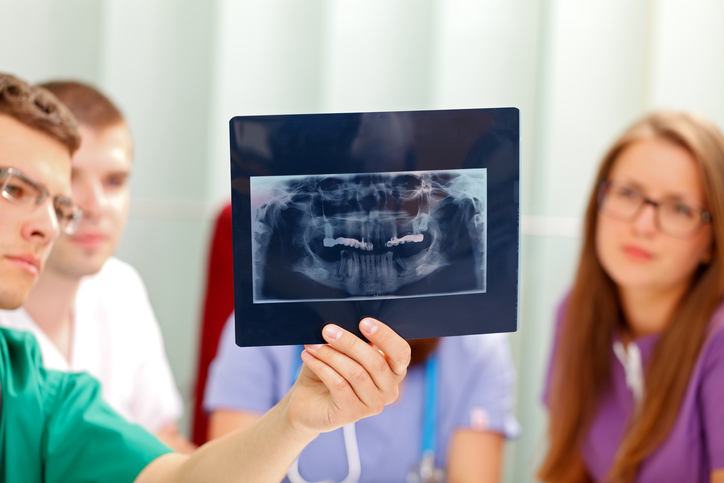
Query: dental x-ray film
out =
(408, 217)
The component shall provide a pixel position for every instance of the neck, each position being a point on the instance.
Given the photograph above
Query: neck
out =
(648, 311)
(50, 304)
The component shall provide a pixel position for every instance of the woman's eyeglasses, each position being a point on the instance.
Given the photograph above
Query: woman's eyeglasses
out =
(24, 191)
(673, 217)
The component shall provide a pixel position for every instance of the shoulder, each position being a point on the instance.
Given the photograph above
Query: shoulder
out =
(713, 349)
(476, 357)
(26, 369)
(716, 324)
(709, 367)
(20, 347)
(715, 331)
(116, 272)
(116, 298)
(23, 374)
(478, 347)
(117, 286)
(77, 413)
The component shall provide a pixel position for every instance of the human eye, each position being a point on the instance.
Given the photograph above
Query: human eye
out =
(680, 210)
(625, 192)
(116, 181)
(63, 213)
(65, 210)
(624, 197)
(20, 190)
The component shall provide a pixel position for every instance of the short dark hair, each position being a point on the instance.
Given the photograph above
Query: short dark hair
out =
(90, 107)
(39, 109)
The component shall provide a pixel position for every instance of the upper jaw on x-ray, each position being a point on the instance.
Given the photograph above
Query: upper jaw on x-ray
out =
(367, 235)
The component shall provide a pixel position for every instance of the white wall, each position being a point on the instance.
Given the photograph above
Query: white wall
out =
(578, 70)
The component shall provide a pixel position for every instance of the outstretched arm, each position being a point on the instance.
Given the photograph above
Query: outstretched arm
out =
(340, 383)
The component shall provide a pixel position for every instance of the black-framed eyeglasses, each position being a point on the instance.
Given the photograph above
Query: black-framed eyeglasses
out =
(17, 187)
(674, 218)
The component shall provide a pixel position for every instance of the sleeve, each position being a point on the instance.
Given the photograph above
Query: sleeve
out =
(243, 378)
(712, 399)
(87, 440)
(156, 399)
(487, 395)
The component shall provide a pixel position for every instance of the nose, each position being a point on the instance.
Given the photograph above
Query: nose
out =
(645, 221)
(42, 224)
(91, 197)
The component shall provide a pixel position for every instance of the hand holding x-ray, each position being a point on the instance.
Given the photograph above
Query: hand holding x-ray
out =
(348, 379)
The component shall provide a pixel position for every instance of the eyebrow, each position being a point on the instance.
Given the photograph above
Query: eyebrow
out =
(119, 172)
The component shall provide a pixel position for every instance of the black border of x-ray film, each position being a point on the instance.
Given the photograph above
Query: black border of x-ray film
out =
(406, 141)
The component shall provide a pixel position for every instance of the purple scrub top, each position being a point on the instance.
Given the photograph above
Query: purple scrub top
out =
(475, 391)
(695, 444)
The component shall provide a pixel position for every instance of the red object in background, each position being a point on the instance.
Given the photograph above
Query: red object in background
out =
(218, 306)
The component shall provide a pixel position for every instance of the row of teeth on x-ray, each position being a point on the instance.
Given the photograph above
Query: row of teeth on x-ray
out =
(418, 224)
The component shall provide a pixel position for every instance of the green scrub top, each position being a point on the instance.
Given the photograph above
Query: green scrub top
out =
(55, 427)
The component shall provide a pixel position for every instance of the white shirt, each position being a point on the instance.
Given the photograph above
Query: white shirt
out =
(117, 340)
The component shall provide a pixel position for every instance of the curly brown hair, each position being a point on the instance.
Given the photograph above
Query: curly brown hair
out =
(39, 109)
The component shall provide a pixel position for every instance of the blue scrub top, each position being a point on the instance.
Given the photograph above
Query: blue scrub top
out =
(475, 391)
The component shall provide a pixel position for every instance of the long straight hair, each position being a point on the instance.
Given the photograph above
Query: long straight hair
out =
(581, 364)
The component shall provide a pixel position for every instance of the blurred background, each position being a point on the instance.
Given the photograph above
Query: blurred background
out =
(578, 70)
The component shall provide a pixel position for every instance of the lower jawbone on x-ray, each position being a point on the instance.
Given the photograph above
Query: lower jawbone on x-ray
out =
(368, 236)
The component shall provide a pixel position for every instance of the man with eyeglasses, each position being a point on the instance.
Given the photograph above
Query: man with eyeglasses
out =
(55, 427)
(89, 311)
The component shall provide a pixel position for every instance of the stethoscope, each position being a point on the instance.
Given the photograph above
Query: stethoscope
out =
(423, 472)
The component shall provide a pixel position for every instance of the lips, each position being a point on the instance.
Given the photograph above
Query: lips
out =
(637, 253)
(29, 263)
(90, 240)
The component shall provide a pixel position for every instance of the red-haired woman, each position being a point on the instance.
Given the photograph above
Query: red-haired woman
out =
(636, 383)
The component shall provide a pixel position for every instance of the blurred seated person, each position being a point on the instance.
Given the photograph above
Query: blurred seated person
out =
(634, 388)
(451, 419)
(90, 311)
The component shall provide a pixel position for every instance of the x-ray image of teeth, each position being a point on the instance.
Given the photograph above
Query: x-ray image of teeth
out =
(366, 236)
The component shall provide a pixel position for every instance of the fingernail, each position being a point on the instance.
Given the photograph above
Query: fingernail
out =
(333, 332)
(369, 326)
(313, 347)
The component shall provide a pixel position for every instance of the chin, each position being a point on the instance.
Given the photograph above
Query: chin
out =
(90, 267)
(76, 267)
(15, 298)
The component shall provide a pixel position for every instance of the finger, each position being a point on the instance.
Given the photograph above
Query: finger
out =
(350, 406)
(395, 348)
(357, 376)
(344, 344)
